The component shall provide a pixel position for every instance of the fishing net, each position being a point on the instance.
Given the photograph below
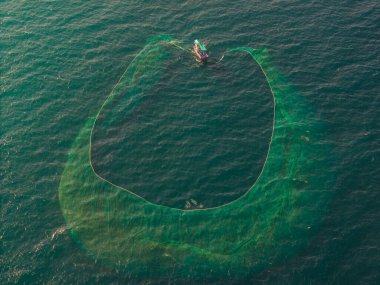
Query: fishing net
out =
(267, 224)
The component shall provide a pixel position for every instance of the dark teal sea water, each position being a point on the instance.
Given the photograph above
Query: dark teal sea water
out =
(202, 133)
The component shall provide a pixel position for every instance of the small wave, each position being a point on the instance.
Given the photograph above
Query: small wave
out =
(57, 232)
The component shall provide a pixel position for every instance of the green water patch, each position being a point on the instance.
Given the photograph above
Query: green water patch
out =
(191, 135)
(266, 225)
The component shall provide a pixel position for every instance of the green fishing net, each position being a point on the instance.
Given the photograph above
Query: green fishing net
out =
(266, 225)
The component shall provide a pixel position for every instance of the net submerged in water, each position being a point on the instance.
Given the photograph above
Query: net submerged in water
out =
(273, 220)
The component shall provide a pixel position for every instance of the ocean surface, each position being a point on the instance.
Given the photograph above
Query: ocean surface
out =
(198, 139)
